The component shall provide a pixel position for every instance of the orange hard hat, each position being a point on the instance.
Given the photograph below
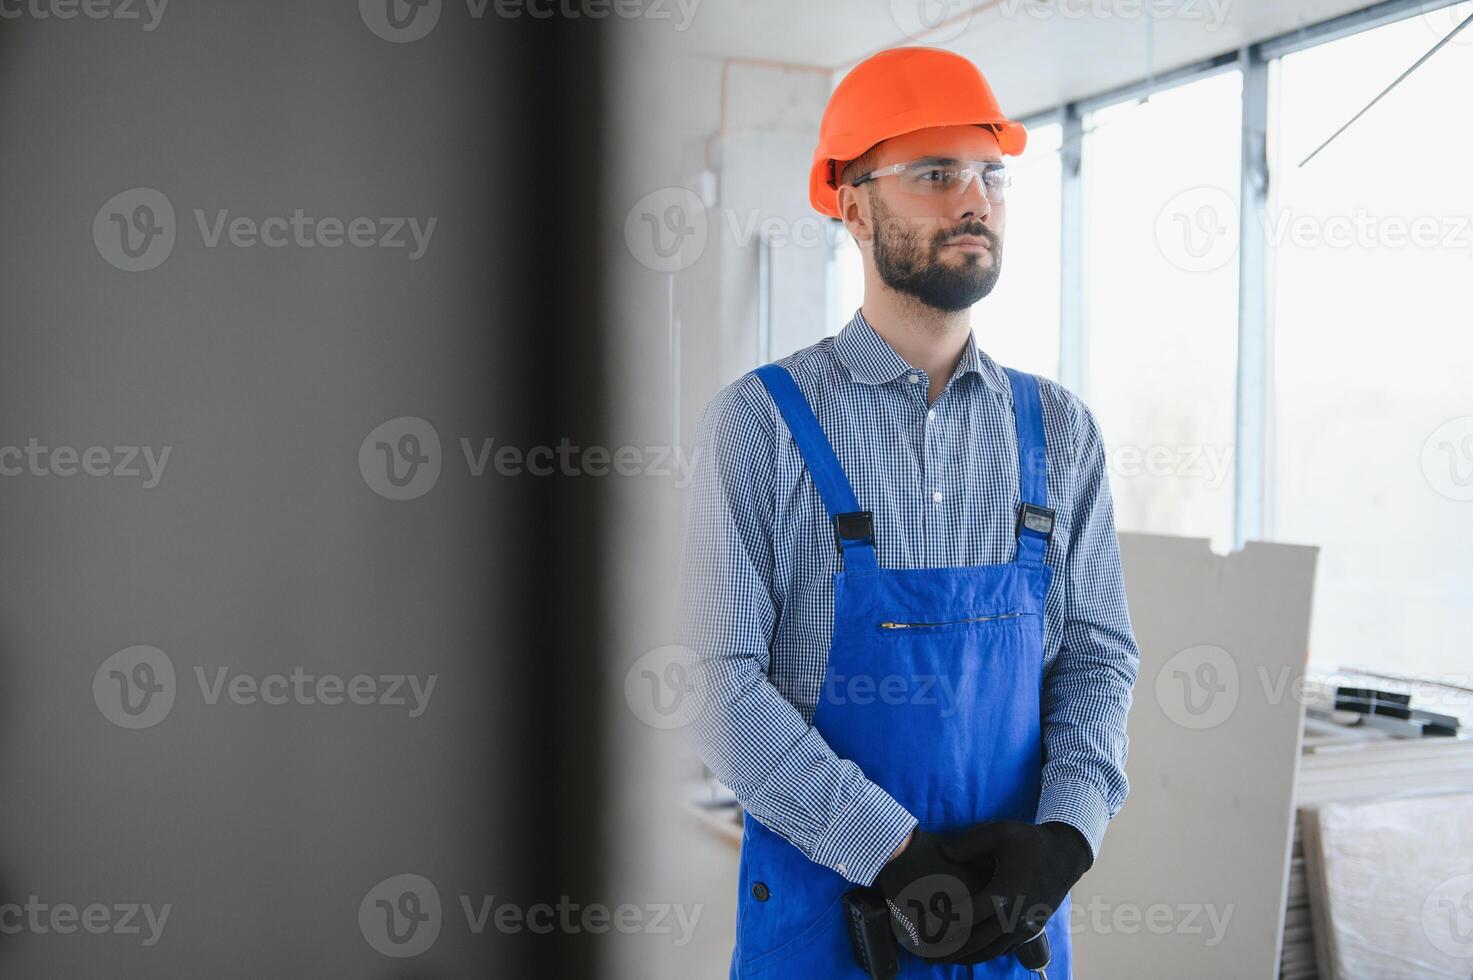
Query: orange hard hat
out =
(900, 91)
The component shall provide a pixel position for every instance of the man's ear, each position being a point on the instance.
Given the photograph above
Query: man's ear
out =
(854, 210)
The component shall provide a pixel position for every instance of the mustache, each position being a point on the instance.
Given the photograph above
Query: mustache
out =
(974, 229)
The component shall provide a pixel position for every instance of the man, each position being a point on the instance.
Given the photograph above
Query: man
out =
(906, 609)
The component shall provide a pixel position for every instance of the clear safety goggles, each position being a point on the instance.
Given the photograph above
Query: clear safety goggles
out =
(940, 177)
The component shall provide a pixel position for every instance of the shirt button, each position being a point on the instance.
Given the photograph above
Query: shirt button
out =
(936, 496)
(915, 379)
(843, 869)
(931, 415)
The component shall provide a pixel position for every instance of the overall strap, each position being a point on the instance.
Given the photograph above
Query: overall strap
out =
(1035, 520)
(853, 528)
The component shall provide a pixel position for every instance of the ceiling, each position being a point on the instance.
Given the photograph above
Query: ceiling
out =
(1037, 54)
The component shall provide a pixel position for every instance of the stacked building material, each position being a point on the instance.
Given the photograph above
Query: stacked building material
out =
(1348, 754)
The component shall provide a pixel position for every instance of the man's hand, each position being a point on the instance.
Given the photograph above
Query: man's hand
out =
(930, 899)
(1031, 869)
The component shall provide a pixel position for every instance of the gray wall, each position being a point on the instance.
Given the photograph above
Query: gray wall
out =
(264, 547)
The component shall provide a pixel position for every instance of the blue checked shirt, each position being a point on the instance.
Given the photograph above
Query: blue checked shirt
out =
(942, 481)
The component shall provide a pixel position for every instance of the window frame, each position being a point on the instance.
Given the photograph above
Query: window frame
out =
(1253, 484)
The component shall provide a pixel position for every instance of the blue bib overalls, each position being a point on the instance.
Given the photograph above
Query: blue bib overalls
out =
(900, 637)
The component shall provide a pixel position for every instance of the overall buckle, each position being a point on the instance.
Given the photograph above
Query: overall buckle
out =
(856, 526)
(1035, 521)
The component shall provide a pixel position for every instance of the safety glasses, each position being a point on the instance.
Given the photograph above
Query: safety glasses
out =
(945, 177)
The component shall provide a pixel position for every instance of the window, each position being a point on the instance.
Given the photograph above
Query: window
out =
(1372, 435)
(1018, 324)
(1161, 302)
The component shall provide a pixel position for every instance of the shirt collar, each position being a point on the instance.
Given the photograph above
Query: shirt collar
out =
(872, 360)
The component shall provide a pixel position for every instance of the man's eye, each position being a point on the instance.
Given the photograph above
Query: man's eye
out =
(936, 176)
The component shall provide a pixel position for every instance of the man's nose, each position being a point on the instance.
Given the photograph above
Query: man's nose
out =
(974, 203)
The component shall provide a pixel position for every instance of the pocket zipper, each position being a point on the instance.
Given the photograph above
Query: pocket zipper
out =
(950, 622)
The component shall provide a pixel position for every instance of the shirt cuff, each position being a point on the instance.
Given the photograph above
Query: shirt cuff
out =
(1079, 805)
(859, 842)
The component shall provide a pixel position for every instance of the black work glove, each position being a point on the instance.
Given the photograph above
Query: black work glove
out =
(930, 897)
(1031, 869)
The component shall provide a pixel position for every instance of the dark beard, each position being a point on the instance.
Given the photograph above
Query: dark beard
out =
(909, 266)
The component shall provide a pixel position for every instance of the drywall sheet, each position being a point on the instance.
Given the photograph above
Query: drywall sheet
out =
(1391, 884)
(1192, 878)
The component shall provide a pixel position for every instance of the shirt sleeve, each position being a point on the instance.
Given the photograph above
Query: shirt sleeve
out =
(782, 771)
(1087, 690)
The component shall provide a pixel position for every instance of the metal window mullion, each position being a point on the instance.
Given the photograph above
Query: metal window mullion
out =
(1250, 436)
(1369, 18)
(1073, 362)
(1145, 87)
(1355, 22)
